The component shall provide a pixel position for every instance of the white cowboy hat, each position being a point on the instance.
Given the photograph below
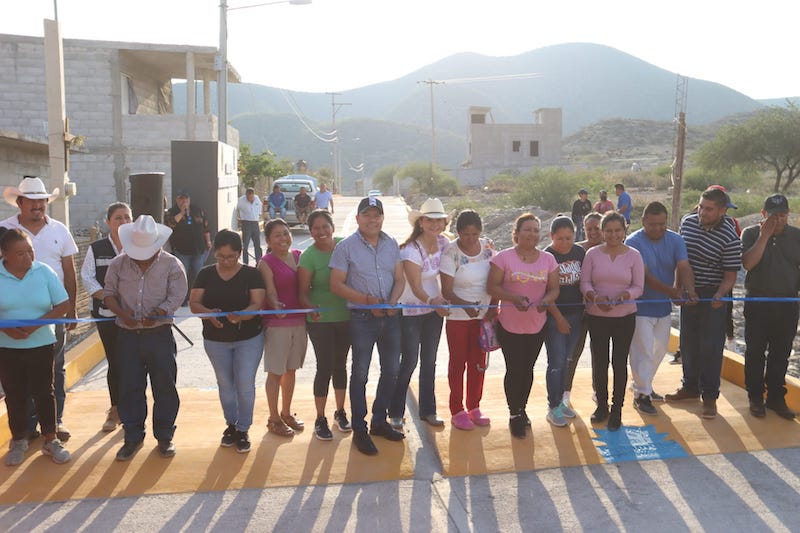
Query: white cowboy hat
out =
(143, 238)
(30, 187)
(431, 208)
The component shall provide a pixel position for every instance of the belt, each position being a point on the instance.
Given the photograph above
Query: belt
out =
(149, 331)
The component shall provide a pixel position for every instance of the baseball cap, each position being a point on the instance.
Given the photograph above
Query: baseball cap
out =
(777, 203)
(183, 192)
(729, 204)
(368, 202)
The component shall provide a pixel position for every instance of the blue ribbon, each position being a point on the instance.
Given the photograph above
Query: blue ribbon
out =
(19, 323)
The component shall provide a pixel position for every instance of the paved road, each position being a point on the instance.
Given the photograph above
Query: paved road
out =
(725, 492)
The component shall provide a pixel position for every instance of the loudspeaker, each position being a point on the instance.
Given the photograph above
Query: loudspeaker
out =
(147, 195)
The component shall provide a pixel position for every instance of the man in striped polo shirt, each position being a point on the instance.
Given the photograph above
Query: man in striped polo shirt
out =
(715, 255)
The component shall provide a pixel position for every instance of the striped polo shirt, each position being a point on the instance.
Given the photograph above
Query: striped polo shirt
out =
(711, 252)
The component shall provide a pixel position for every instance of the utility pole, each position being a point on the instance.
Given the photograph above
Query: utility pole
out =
(681, 92)
(335, 107)
(430, 84)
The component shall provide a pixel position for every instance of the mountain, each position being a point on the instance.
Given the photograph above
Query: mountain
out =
(590, 82)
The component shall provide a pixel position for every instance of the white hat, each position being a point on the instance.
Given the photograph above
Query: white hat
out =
(31, 187)
(431, 208)
(143, 238)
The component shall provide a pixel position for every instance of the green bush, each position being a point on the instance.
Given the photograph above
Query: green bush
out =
(552, 189)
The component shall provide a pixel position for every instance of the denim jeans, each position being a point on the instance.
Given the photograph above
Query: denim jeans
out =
(250, 232)
(559, 348)
(366, 331)
(769, 330)
(192, 264)
(108, 332)
(141, 355)
(420, 341)
(235, 365)
(59, 380)
(272, 212)
(702, 340)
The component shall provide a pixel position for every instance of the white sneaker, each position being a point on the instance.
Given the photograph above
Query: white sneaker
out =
(56, 450)
(16, 452)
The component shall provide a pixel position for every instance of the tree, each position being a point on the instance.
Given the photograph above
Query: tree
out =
(383, 179)
(769, 140)
(254, 167)
(440, 184)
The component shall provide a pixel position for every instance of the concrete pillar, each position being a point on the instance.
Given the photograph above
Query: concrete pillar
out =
(56, 118)
(191, 103)
(206, 96)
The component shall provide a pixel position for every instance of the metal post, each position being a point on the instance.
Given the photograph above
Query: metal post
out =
(222, 74)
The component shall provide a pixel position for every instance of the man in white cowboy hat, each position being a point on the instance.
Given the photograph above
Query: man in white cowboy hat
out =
(53, 245)
(144, 287)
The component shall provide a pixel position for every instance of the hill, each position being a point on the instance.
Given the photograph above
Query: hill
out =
(391, 120)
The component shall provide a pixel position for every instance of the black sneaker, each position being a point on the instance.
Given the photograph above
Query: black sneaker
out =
(229, 436)
(364, 443)
(128, 450)
(757, 408)
(166, 448)
(600, 414)
(615, 419)
(644, 404)
(780, 409)
(386, 431)
(518, 426)
(321, 429)
(342, 424)
(243, 442)
(525, 417)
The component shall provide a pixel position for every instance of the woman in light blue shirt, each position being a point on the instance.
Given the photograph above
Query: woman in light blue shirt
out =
(29, 290)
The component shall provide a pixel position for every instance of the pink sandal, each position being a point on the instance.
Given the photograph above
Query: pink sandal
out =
(477, 417)
(462, 421)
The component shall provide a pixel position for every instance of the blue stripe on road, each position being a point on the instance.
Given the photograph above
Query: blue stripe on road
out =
(632, 443)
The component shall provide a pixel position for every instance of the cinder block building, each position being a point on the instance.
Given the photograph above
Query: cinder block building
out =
(118, 101)
(493, 148)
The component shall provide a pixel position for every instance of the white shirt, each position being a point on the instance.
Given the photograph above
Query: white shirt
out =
(89, 272)
(429, 263)
(50, 245)
(247, 210)
(469, 275)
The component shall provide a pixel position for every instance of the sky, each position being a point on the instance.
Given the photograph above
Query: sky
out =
(336, 45)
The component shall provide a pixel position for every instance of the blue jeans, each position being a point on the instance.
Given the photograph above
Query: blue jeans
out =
(59, 380)
(702, 340)
(250, 232)
(192, 264)
(235, 365)
(420, 341)
(273, 209)
(141, 355)
(366, 331)
(559, 349)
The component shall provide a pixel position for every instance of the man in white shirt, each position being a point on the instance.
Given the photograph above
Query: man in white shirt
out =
(248, 213)
(324, 198)
(52, 244)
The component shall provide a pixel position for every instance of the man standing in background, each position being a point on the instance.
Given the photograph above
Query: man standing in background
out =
(190, 239)
(248, 213)
(624, 203)
(53, 245)
(324, 198)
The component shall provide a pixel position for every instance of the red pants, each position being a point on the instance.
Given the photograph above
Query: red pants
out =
(462, 340)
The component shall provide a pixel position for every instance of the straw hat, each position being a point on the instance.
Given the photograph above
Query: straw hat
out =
(431, 208)
(30, 187)
(143, 238)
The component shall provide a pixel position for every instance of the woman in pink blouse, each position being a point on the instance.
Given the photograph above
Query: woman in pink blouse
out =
(612, 277)
(525, 280)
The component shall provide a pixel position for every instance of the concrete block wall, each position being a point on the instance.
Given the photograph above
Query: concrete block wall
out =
(15, 163)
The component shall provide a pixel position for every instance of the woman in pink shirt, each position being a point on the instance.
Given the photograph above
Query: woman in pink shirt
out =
(525, 280)
(612, 278)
